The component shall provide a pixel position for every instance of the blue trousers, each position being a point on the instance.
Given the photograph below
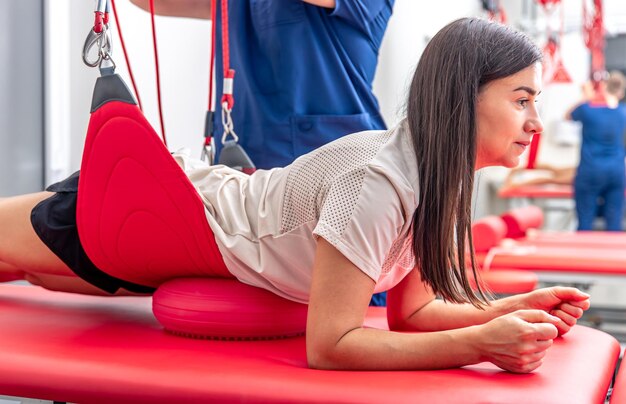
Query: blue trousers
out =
(595, 187)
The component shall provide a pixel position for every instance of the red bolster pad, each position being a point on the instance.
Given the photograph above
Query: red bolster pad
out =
(138, 214)
(226, 309)
(519, 220)
(488, 232)
(505, 282)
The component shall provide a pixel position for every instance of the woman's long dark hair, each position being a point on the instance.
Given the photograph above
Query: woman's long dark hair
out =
(441, 113)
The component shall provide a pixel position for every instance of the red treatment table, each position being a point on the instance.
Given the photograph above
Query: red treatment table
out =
(577, 256)
(552, 191)
(595, 239)
(64, 347)
(556, 258)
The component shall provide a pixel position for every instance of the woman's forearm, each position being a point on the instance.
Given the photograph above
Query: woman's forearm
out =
(439, 315)
(372, 349)
(178, 8)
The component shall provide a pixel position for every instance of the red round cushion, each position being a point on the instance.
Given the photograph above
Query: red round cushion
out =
(488, 232)
(519, 220)
(226, 308)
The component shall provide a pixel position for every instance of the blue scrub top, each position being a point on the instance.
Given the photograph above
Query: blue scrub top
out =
(303, 74)
(603, 136)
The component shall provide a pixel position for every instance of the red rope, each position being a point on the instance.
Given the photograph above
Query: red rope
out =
(225, 46)
(130, 70)
(211, 61)
(208, 135)
(229, 74)
(534, 150)
(158, 76)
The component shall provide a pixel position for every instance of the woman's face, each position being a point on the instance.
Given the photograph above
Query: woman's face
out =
(507, 118)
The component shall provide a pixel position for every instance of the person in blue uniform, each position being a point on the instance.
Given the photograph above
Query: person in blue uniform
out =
(599, 182)
(303, 72)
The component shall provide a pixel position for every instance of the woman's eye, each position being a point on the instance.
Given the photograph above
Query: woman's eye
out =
(522, 103)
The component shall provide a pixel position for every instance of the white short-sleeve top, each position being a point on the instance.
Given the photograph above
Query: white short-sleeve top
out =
(359, 193)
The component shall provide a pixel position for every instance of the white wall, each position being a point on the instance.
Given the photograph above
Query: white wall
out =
(413, 23)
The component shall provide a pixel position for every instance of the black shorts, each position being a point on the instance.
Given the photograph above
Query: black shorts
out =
(54, 221)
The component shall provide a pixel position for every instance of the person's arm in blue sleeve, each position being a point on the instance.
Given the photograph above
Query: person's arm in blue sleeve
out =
(200, 8)
(576, 111)
(359, 13)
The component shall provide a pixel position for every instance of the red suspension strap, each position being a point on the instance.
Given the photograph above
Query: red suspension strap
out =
(158, 75)
(235, 156)
(211, 61)
(593, 32)
(123, 43)
(229, 74)
(101, 18)
(208, 150)
(554, 70)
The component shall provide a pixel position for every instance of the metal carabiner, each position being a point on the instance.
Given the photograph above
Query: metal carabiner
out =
(93, 38)
(99, 36)
(102, 42)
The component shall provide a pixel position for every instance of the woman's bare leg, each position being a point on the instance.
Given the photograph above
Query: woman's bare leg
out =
(22, 250)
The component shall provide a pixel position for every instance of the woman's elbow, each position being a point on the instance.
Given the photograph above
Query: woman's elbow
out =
(326, 353)
(321, 359)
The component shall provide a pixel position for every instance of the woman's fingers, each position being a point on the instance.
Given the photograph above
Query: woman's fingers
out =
(521, 340)
(575, 309)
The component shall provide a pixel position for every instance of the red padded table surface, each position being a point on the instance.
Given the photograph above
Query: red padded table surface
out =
(537, 191)
(596, 239)
(556, 258)
(64, 347)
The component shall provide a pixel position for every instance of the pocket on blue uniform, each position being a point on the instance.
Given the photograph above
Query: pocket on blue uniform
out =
(312, 131)
(266, 13)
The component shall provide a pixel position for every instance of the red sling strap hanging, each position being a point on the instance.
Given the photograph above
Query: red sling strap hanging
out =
(534, 150)
(228, 101)
(208, 151)
(232, 154)
(123, 43)
(594, 35)
(157, 70)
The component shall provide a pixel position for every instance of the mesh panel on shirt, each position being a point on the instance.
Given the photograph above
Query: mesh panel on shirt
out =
(401, 253)
(339, 165)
